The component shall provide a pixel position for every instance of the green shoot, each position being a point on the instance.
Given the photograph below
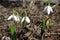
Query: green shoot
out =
(12, 29)
(43, 24)
(48, 2)
(24, 22)
(13, 32)
(46, 24)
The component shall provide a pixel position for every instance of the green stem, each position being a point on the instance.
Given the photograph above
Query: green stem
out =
(13, 12)
(13, 36)
(48, 2)
(25, 12)
(25, 17)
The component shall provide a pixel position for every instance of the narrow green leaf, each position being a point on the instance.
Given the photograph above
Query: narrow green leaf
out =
(43, 24)
(24, 23)
(12, 29)
(48, 24)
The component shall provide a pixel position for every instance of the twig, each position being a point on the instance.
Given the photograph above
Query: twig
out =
(53, 33)
(24, 3)
(55, 5)
(31, 3)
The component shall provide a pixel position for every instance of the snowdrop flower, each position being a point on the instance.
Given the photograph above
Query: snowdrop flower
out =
(16, 18)
(48, 9)
(13, 16)
(26, 19)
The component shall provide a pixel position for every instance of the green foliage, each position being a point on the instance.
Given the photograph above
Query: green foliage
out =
(43, 24)
(24, 12)
(46, 24)
(12, 29)
(24, 23)
(13, 32)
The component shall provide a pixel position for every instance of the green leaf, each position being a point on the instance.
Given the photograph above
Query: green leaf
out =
(43, 24)
(48, 24)
(12, 29)
(24, 23)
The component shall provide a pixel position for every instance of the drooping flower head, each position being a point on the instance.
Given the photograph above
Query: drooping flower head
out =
(25, 19)
(48, 8)
(13, 16)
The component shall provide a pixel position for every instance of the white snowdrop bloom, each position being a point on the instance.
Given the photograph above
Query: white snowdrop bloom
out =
(27, 19)
(48, 9)
(10, 17)
(16, 18)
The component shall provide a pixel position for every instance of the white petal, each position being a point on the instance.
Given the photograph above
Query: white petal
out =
(51, 9)
(22, 19)
(45, 8)
(10, 17)
(15, 18)
(27, 20)
(48, 10)
(18, 18)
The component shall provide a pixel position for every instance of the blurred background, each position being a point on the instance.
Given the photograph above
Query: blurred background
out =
(52, 1)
